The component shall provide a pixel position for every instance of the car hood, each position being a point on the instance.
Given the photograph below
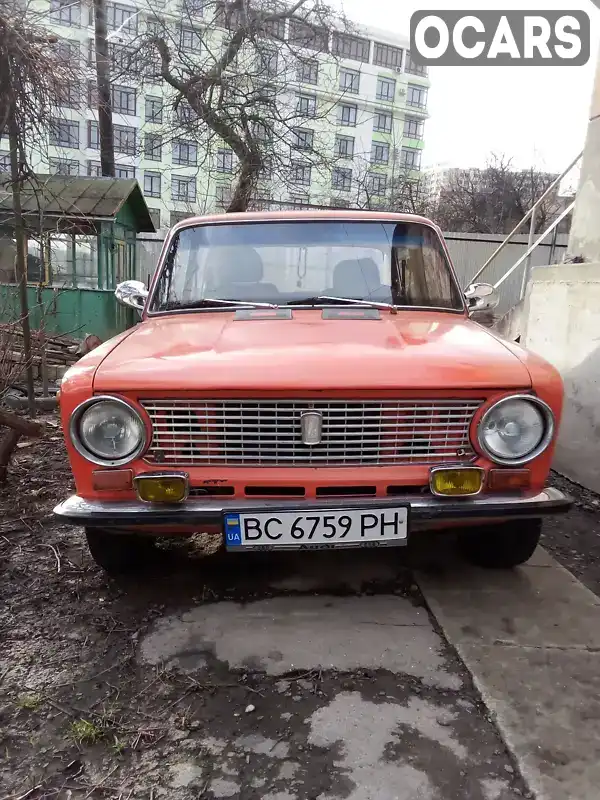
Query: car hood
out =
(214, 351)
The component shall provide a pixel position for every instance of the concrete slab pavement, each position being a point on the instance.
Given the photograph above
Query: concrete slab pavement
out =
(356, 696)
(531, 641)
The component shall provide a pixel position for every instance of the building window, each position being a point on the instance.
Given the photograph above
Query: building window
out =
(224, 160)
(223, 196)
(93, 135)
(382, 121)
(92, 95)
(380, 153)
(121, 18)
(125, 60)
(154, 109)
(307, 70)
(300, 173)
(260, 204)
(152, 184)
(354, 47)
(63, 166)
(265, 172)
(339, 202)
(64, 133)
(190, 40)
(341, 179)
(4, 161)
(124, 139)
(124, 172)
(154, 26)
(184, 113)
(386, 89)
(385, 55)
(65, 12)
(124, 100)
(183, 189)
(69, 51)
(347, 115)
(416, 96)
(303, 138)
(267, 63)
(414, 69)
(94, 169)
(193, 8)
(261, 132)
(344, 146)
(185, 152)
(299, 200)
(153, 147)
(376, 183)
(177, 216)
(69, 95)
(306, 105)
(349, 80)
(413, 128)
(313, 37)
(410, 158)
(155, 216)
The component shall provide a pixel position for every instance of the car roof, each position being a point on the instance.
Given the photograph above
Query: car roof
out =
(316, 215)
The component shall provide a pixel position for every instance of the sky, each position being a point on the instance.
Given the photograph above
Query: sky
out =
(537, 116)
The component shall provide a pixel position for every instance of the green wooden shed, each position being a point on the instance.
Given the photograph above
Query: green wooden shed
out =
(81, 243)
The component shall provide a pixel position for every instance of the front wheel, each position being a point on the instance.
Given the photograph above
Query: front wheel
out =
(501, 546)
(120, 553)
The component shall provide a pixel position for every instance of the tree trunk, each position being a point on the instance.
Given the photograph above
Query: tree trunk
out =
(105, 121)
(21, 258)
(243, 188)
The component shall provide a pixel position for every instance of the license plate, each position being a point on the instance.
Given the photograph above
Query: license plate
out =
(316, 529)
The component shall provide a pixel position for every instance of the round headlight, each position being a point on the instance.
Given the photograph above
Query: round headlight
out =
(108, 431)
(516, 430)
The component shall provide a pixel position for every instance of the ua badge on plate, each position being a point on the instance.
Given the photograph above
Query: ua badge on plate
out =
(233, 534)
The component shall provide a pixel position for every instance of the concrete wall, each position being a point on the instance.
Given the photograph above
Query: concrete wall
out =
(562, 324)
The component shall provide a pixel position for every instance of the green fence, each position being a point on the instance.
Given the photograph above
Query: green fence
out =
(75, 312)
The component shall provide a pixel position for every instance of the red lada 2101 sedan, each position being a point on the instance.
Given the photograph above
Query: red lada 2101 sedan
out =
(309, 379)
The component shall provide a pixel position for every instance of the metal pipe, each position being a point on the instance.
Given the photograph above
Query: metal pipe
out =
(527, 267)
(554, 183)
(529, 250)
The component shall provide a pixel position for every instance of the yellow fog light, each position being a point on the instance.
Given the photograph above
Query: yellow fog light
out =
(162, 488)
(448, 481)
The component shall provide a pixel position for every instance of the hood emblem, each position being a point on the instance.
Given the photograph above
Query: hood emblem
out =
(312, 426)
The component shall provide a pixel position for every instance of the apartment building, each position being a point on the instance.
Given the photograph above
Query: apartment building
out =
(359, 93)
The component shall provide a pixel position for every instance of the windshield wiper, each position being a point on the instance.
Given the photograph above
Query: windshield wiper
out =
(207, 302)
(324, 298)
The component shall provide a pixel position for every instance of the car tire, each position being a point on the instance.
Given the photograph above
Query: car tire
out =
(502, 546)
(120, 553)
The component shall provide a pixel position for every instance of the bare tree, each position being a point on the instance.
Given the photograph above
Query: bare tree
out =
(232, 88)
(494, 199)
(33, 77)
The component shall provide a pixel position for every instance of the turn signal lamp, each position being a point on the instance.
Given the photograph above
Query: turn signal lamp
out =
(460, 481)
(508, 479)
(163, 488)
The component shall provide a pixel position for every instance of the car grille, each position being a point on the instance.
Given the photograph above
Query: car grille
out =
(269, 433)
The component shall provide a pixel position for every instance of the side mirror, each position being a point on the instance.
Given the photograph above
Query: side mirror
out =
(132, 294)
(481, 296)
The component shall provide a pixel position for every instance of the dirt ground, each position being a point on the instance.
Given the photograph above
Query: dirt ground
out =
(80, 718)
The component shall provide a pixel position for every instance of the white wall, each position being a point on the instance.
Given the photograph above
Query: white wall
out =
(562, 324)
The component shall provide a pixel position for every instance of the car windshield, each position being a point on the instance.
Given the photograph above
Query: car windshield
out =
(306, 262)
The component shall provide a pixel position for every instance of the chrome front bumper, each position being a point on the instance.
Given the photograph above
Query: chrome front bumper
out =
(424, 512)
